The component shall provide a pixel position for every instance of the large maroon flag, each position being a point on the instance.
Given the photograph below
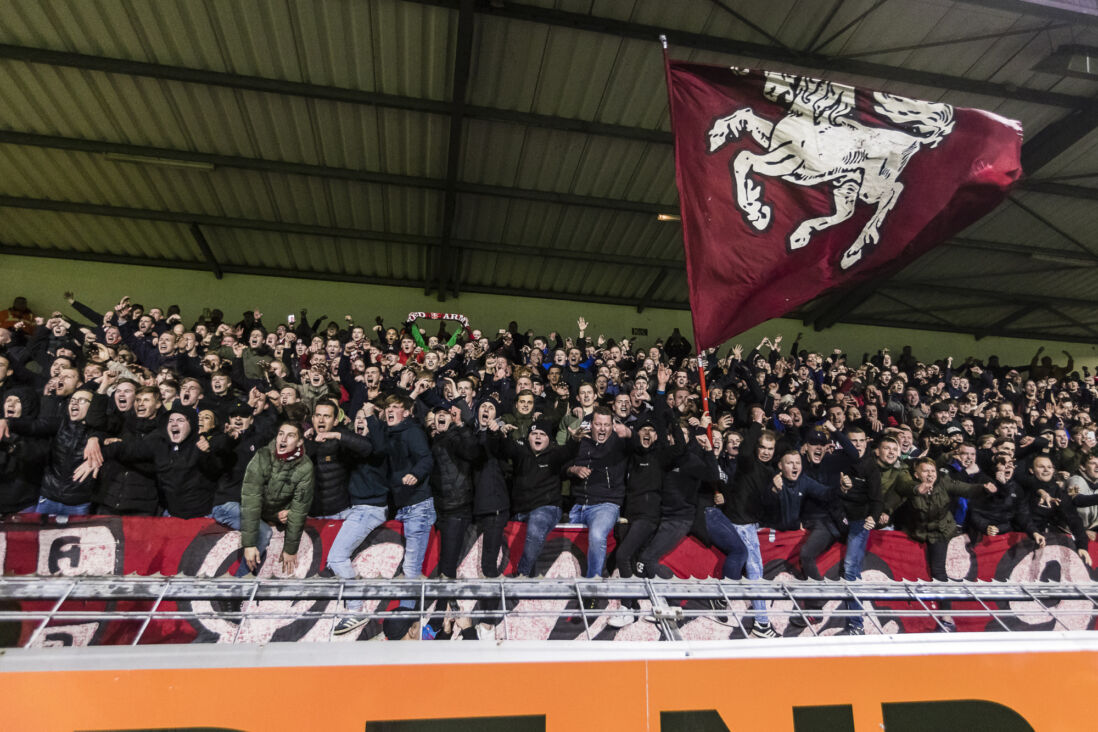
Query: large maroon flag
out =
(791, 186)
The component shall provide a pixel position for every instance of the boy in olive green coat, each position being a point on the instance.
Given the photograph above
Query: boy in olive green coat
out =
(277, 490)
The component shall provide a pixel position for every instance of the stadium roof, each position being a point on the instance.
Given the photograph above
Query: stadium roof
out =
(519, 148)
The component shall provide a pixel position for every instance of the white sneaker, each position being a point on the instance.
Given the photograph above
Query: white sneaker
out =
(621, 619)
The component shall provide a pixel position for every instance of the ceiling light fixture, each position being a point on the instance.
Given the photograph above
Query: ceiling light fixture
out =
(1071, 60)
(668, 217)
(162, 162)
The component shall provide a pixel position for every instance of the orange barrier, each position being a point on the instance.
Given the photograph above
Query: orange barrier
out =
(1000, 691)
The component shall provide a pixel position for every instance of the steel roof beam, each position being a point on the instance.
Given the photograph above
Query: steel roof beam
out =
(207, 253)
(955, 41)
(657, 281)
(976, 332)
(57, 142)
(318, 91)
(1057, 138)
(1005, 320)
(280, 227)
(1074, 321)
(717, 44)
(447, 259)
(1012, 298)
(17, 251)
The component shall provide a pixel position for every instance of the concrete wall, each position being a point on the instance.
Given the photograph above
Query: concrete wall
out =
(43, 282)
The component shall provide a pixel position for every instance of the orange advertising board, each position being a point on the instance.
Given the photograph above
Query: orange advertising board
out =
(1002, 691)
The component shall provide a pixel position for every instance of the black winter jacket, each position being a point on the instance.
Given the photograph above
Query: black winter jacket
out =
(607, 461)
(186, 477)
(537, 475)
(1005, 509)
(66, 451)
(489, 484)
(369, 483)
(240, 453)
(131, 488)
(408, 454)
(454, 452)
(334, 460)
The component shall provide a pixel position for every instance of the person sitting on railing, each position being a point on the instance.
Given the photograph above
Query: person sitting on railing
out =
(277, 491)
(922, 511)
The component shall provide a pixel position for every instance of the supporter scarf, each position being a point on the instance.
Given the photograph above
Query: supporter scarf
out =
(289, 456)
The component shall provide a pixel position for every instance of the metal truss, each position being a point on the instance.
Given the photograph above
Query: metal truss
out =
(667, 603)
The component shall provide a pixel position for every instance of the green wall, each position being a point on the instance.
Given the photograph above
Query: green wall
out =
(43, 282)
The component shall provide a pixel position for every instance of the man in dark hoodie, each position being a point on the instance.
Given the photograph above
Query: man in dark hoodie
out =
(369, 492)
(1050, 506)
(66, 484)
(131, 489)
(598, 484)
(186, 468)
(453, 449)
(744, 508)
(21, 458)
(409, 468)
(652, 456)
(535, 499)
(248, 433)
(695, 464)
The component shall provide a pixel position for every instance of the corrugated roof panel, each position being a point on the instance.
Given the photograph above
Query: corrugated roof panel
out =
(888, 27)
(92, 178)
(135, 110)
(96, 234)
(507, 64)
(1082, 157)
(330, 42)
(636, 90)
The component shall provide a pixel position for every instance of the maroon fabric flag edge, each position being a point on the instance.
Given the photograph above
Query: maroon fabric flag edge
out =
(717, 277)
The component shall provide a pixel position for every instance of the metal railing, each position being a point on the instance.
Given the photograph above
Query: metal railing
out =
(668, 604)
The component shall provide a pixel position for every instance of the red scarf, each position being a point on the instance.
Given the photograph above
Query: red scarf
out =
(288, 456)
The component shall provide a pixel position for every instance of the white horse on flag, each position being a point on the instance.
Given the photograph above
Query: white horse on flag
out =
(820, 141)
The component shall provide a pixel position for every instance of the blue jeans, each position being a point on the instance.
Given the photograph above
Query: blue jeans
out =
(722, 533)
(600, 519)
(228, 514)
(340, 516)
(56, 508)
(749, 535)
(418, 520)
(356, 527)
(856, 542)
(539, 523)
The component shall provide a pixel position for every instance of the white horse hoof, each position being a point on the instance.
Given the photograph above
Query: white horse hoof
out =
(761, 218)
(851, 257)
(799, 238)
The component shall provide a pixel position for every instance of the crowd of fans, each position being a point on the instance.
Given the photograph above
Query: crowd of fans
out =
(139, 412)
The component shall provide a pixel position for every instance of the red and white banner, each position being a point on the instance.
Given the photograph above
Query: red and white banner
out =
(104, 546)
(791, 186)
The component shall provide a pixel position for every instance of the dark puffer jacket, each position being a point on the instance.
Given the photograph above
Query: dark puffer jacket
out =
(451, 476)
(490, 485)
(21, 459)
(66, 451)
(369, 483)
(537, 474)
(239, 454)
(334, 460)
(131, 488)
(607, 461)
(408, 454)
(186, 476)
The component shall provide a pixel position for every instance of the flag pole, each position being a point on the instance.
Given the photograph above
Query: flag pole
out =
(701, 353)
